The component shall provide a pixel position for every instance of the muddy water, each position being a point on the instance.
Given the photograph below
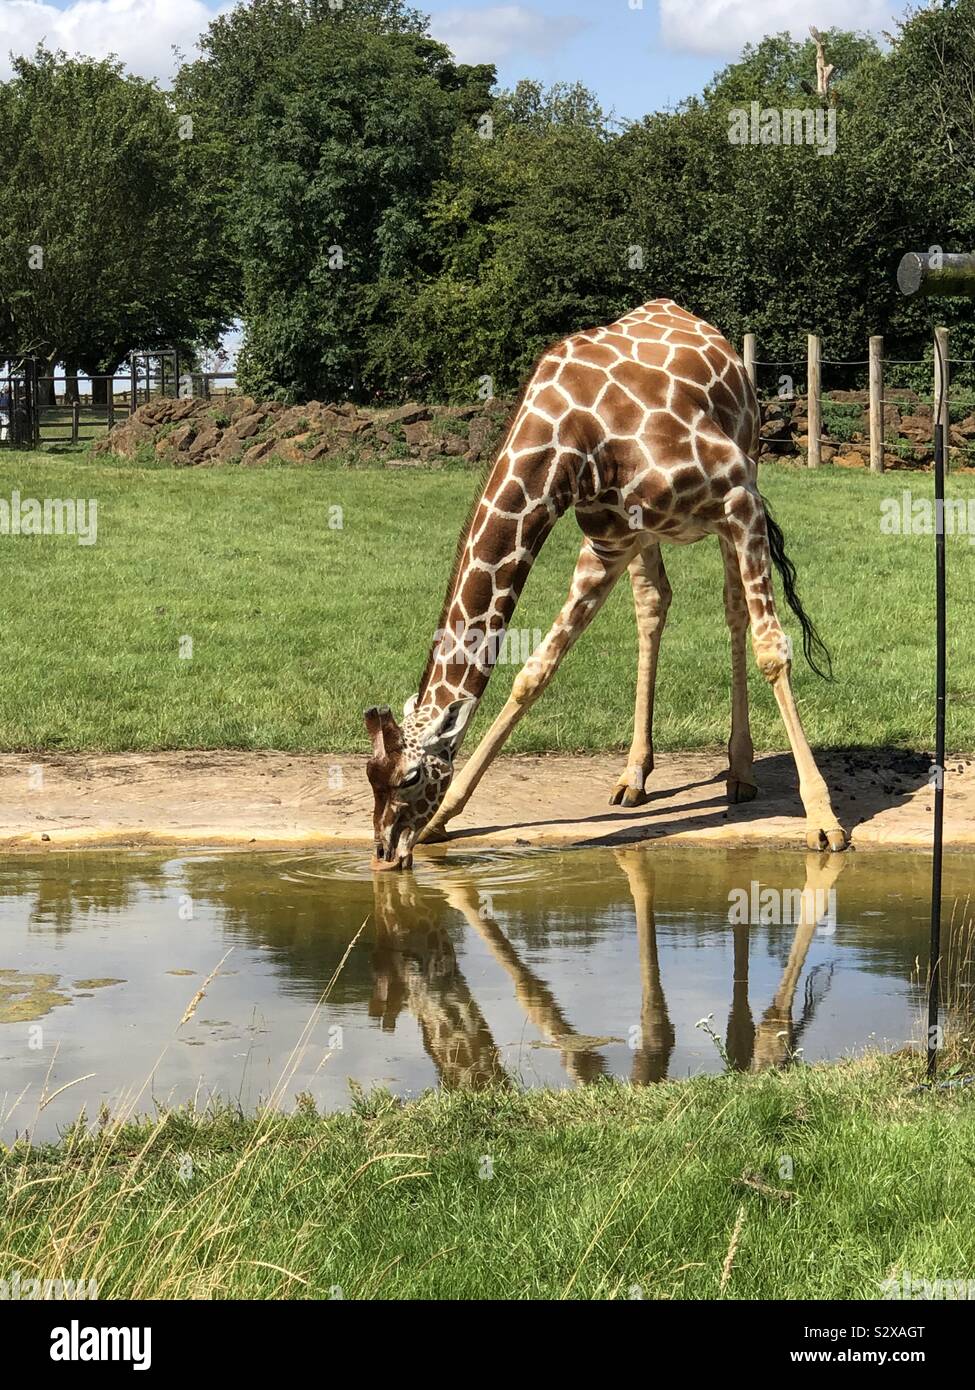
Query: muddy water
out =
(538, 968)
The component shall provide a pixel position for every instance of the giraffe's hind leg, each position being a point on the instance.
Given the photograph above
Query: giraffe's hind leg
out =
(597, 570)
(651, 599)
(745, 528)
(741, 754)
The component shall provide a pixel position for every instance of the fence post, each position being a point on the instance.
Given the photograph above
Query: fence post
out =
(814, 404)
(110, 400)
(942, 380)
(75, 420)
(876, 404)
(34, 409)
(749, 354)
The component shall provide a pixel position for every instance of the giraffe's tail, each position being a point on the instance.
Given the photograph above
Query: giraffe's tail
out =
(814, 648)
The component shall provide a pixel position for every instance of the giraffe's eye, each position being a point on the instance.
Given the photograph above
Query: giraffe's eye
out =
(410, 780)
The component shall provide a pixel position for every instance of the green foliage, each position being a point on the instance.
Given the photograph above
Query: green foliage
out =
(388, 225)
(595, 1192)
(344, 126)
(478, 230)
(94, 175)
(532, 247)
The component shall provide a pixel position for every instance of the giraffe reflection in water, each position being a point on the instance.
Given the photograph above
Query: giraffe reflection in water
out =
(415, 967)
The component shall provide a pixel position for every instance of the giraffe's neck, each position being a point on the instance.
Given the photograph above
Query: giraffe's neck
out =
(509, 523)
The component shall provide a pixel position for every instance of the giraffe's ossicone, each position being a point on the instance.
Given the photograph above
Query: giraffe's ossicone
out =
(648, 430)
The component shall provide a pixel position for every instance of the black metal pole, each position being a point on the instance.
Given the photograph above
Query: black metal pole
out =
(934, 968)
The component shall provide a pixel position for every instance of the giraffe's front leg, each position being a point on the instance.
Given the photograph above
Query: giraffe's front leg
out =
(595, 574)
(651, 599)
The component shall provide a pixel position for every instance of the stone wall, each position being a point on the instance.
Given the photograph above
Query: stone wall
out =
(241, 430)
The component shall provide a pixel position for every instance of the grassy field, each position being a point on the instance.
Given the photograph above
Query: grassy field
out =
(813, 1183)
(298, 622)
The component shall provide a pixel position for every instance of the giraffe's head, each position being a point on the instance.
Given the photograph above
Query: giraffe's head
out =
(409, 772)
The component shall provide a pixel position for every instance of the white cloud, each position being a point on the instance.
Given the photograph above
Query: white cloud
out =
(490, 36)
(140, 32)
(724, 26)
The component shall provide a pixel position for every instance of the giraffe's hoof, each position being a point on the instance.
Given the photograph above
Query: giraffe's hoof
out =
(625, 795)
(834, 839)
(740, 791)
(631, 785)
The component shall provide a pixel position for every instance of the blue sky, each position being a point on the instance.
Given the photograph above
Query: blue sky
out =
(637, 55)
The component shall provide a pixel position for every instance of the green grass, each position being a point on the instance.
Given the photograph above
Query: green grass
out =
(296, 627)
(604, 1192)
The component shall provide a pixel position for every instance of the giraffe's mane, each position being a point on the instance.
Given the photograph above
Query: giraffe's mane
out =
(465, 530)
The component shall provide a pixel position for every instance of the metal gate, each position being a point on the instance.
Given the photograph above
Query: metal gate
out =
(18, 398)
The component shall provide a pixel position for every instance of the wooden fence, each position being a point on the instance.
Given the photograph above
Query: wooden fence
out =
(877, 403)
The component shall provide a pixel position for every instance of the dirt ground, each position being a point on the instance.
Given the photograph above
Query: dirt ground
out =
(266, 800)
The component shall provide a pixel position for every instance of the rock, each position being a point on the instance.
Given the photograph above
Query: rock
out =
(181, 438)
(257, 452)
(352, 425)
(206, 439)
(249, 425)
(850, 459)
(917, 427)
(416, 434)
(290, 449)
(230, 445)
(409, 414)
(478, 438)
(453, 446)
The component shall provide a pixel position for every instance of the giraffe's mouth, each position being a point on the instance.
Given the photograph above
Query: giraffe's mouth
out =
(392, 854)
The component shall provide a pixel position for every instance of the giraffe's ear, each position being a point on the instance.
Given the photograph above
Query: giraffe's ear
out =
(410, 705)
(444, 735)
(384, 731)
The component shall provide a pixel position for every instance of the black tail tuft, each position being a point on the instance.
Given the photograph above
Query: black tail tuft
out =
(813, 646)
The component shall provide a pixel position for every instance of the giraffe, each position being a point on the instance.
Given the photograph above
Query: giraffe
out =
(648, 429)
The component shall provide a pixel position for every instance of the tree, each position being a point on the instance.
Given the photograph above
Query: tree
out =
(331, 126)
(103, 235)
(348, 127)
(531, 246)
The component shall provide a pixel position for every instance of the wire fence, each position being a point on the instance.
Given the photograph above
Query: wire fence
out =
(885, 421)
